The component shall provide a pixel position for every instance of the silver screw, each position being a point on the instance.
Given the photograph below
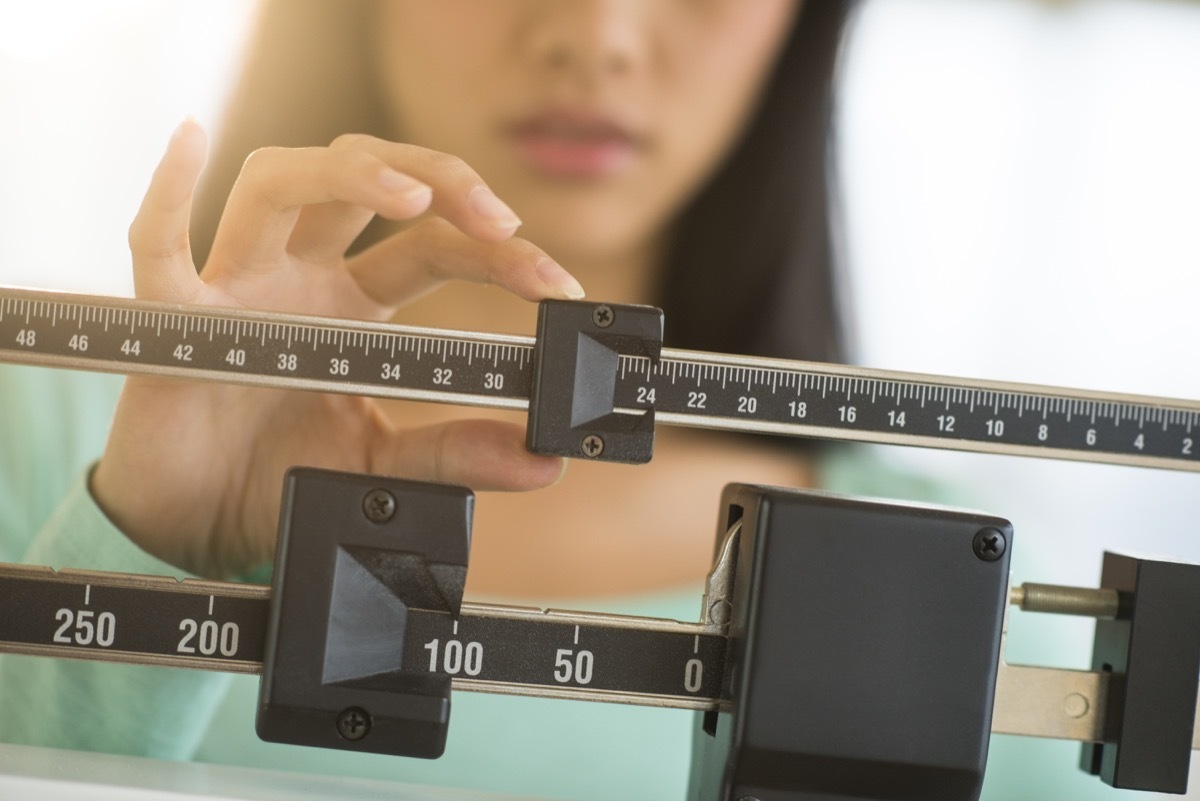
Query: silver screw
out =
(592, 446)
(603, 316)
(379, 505)
(353, 723)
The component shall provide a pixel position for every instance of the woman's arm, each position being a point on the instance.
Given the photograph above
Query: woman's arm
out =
(191, 475)
(54, 423)
(76, 704)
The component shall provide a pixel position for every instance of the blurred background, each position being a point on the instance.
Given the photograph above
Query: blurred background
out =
(1021, 188)
(1020, 184)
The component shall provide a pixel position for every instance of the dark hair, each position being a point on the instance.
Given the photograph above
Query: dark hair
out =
(751, 265)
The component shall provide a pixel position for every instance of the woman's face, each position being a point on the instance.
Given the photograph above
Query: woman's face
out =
(594, 119)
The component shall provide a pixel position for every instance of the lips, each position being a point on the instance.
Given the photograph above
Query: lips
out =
(575, 144)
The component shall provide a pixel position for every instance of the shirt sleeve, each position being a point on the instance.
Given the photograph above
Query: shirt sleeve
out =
(67, 703)
(52, 424)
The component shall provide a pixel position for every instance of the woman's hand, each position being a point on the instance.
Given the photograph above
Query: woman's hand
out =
(193, 471)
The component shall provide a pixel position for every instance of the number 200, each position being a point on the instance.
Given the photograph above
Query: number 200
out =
(212, 637)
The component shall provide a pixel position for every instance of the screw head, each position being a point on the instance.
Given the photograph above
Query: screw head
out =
(1076, 705)
(592, 446)
(989, 544)
(603, 316)
(353, 723)
(379, 505)
(719, 613)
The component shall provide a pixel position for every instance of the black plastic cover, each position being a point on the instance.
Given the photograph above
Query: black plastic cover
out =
(576, 362)
(1154, 648)
(864, 644)
(346, 574)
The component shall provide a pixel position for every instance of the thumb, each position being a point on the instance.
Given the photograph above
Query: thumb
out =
(481, 454)
(158, 237)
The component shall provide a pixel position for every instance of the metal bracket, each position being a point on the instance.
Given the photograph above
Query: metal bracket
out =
(354, 554)
(576, 363)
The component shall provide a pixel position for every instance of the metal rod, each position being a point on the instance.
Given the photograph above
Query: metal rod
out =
(1081, 601)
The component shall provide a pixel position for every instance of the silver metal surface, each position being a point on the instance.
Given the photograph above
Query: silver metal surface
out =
(133, 658)
(917, 441)
(1050, 702)
(664, 625)
(580, 694)
(718, 586)
(221, 589)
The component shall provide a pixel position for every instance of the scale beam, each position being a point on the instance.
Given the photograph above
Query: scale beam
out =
(1030, 701)
(687, 388)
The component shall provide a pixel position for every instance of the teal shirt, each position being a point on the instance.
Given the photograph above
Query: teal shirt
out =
(53, 425)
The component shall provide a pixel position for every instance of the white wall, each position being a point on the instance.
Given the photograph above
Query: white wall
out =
(1023, 198)
(89, 94)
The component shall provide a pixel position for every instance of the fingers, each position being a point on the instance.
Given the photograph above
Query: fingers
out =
(276, 183)
(158, 237)
(313, 202)
(406, 265)
(481, 454)
(459, 195)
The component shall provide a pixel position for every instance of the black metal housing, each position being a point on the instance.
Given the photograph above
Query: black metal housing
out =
(354, 553)
(864, 644)
(1154, 647)
(576, 363)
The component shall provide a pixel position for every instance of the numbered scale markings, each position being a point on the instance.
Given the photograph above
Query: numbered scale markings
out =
(734, 393)
(222, 626)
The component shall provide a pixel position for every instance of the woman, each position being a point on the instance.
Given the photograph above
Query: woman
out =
(670, 152)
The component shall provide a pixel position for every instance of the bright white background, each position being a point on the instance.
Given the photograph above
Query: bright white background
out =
(1022, 191)
(89, 95)
(1022, 186)
(1021, 182)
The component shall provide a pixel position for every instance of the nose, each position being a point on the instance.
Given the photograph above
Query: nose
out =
(588, 37)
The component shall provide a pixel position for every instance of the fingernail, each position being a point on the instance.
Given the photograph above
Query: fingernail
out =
(186, 125)
(553, 275)
(562, 473)
(404, 186)
(485, 203)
